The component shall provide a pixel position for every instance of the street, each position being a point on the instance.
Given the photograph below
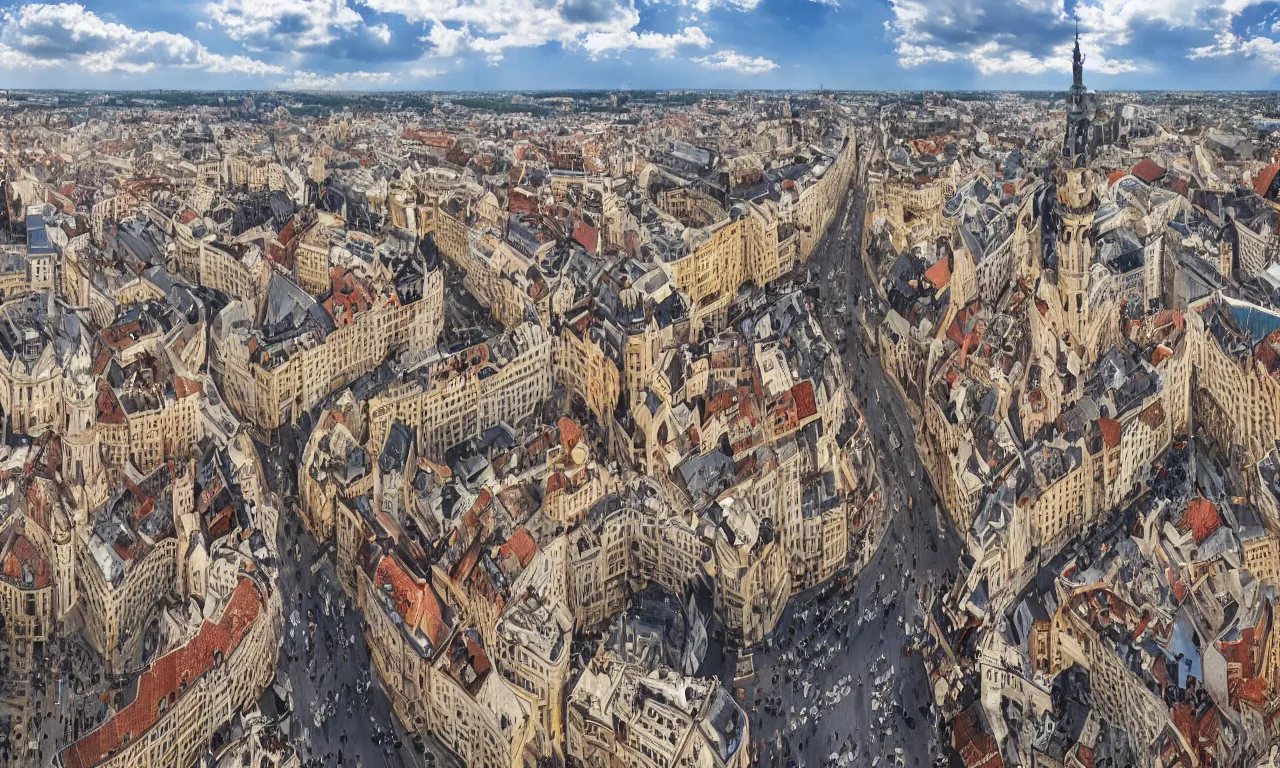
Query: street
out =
(837, 687)
(339, 707)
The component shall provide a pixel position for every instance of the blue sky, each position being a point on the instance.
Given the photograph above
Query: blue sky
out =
(531, 44)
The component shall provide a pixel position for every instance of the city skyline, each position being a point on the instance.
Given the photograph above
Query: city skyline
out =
(611, 427)
(374, 45)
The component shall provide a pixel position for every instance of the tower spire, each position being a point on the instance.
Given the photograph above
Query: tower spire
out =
(1077, 62)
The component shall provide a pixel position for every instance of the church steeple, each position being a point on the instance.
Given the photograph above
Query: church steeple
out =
(1077, 62)
(1079, 111)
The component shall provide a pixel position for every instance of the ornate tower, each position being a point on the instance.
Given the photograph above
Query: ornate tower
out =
(82, 468)
(1075, 145)
(61, 533)
(193, 554)
(1074, 211)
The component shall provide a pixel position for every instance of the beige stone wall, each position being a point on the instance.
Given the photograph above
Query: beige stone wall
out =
(270, 397)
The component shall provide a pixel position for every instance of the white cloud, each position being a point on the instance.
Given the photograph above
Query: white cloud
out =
(445, 41)
(67, 34)
(1035, 36)
(490, 27)
(600, 43)
(1001, 37)
(1227, 43)
(732, 60)
(286, 25)
(307, 23)
(704, 6)
(912, 55)
(338, 81)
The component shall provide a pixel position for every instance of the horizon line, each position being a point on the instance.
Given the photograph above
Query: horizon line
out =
(654, 89)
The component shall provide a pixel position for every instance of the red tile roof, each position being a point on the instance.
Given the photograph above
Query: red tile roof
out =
(168, 678)
(348, 296)
(479, 659)
(1253, 691)
(1110, 429)
(1169, 317)
(805, 403)
(1153, 416)
(184, 386)
(413, 599)
(1201, 518)
(109, 410)
(1262, 184)
(478, 519)
(976, 747)
(720, 402)
(521, 545)
(1085, 754)
(1201, 732)
(586, 235)
(570, 433)
(1147, 170)
(939, 275)
(22, 552)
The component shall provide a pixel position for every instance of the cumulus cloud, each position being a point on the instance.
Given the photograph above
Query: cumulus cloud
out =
(600, 43)
(491, 27)
(338, 81)
(1000, 37)
(325, 27)
(733, 61)
(1250, 45)
(306, 23)
(445, 41)
(67, 34)
(1227, 43)
(704, 6)
(1035, 36)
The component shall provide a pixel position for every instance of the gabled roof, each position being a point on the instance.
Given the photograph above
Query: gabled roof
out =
(413, 599)
(521, 545)
(939, 275)
(168, 679)
(1110, 429)
(1201, 518)
(1267, 176)
(1147, 170)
